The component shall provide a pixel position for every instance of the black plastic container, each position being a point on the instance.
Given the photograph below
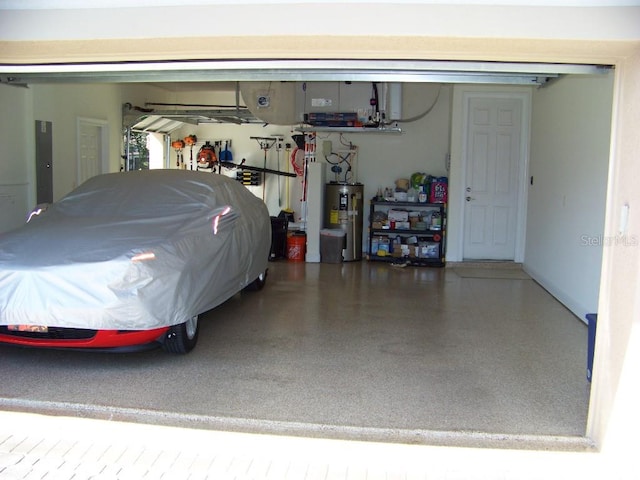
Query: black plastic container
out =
(279, 227)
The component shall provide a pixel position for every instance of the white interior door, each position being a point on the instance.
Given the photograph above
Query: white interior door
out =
(493, 158)
(92, 150)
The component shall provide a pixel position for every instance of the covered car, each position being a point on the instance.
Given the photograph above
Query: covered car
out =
(131, 258)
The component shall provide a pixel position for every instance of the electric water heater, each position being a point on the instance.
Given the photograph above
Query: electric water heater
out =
(343, 207)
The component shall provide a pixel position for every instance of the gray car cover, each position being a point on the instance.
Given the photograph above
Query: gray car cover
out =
(134, 251)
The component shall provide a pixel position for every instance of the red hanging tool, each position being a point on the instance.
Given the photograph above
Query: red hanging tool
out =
(190, 140)
(207, 157)
(178, 145)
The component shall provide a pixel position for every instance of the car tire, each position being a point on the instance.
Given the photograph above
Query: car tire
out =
(183, 337)
(258, 283)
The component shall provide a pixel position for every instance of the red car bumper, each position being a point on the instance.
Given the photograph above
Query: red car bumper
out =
(84, 339)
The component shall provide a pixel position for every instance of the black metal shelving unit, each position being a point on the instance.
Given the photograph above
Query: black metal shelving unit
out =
(424, 246)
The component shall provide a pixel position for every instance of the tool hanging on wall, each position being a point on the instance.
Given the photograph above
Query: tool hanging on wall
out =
(297, 156)
(248, 178)
(309, 157)
(255, 169)
(297, 162)
(207, 157)
(178, 146)
(226, 155)
(217, 148)
(278, 144)
(190, 140)
(287, 149)
(265, 145)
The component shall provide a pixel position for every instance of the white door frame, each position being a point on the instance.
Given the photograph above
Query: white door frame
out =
(457, 181)
(104, 153)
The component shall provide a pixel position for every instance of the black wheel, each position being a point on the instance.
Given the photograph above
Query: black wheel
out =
(258, 283)
(183, 337)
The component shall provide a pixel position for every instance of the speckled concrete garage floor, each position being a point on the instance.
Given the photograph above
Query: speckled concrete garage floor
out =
(355, 350)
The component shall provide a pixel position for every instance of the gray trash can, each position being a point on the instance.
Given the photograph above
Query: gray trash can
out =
(331, 245)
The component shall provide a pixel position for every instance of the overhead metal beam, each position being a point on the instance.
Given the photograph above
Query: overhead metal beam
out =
(297, 70)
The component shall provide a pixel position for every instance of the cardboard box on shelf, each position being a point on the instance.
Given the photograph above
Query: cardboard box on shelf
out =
(401, 250)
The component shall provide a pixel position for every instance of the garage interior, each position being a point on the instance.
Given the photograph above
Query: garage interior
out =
(593, 32)
(362, 349)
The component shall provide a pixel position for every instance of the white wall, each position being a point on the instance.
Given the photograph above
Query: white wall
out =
(62, 105)
(244, 147)
(423, 145)
(569, 161)
(382, 158)
(437, 18)
(17, 156)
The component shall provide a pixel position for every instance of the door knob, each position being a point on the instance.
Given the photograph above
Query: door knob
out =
(469, 199)
(468, 189)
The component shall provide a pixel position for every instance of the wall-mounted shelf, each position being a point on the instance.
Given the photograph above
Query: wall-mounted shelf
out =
(396, 130)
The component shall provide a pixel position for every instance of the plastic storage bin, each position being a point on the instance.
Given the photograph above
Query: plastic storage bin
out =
(279, 228)
(331, 245)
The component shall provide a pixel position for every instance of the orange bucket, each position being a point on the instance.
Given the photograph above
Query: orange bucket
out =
(296, 247)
